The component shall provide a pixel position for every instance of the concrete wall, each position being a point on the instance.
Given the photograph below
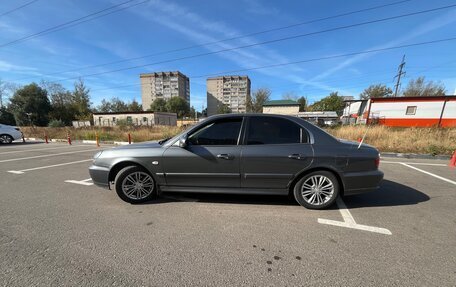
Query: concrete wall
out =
(281, 110)
(136, 119)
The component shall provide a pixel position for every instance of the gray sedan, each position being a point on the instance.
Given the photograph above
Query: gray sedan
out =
(242, 154)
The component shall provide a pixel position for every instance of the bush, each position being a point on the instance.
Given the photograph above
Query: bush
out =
(56, 124)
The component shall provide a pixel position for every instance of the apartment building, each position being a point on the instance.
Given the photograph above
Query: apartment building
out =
(233, 91)
(163, 85)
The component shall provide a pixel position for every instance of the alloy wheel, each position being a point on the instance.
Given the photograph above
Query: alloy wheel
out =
(138, 185)
(317, 190)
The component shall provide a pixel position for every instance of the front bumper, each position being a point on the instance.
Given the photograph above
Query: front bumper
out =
(100, 176)
(360, 182)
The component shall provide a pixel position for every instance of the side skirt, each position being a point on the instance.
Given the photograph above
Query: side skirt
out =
(225, 190)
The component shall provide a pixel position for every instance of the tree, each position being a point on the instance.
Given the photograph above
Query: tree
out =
(333, 102)
(104, 107)
(30, 105)
(134, 106)
(420, 88)
(62, 103)
(302, 104)
(158, 105)
(6, 117)
(3, 89)
(223, 109)
(81, 100)
(259, 97)
(376, 91)
(118, 106)
(178, 105)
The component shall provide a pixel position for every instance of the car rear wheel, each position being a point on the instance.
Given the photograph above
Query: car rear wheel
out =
(6, 139)
(317, 190)
(135, 185)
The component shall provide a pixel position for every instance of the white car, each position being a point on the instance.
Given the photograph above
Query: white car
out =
(8, 134)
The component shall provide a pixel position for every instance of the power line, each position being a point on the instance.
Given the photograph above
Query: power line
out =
(230, 39)
(306, 61)
(17, 8)
(74, 22)
(261, 43)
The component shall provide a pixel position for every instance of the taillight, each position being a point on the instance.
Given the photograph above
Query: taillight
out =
(377, 162)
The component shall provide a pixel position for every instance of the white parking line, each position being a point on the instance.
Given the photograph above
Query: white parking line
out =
(81, 182)
(349, 221)
(428, 173)
(47, 166)
(39, 149)
(47, 155)
(415, 163)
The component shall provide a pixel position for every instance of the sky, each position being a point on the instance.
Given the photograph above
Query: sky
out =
(169, 35)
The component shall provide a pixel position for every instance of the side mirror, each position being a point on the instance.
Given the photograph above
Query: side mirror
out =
(183, 141)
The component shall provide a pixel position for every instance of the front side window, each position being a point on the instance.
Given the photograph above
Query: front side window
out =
(269, 130)
(222, 132)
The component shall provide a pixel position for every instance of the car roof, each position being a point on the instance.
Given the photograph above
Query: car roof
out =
(323, 136)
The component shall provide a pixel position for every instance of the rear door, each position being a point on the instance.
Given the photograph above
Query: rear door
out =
(275, 149)
(210, 159)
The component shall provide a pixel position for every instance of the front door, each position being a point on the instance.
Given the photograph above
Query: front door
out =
(275, 150)
(210, 159)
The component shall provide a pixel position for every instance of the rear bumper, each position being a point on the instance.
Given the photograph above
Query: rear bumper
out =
(360, 182)
(100, 176)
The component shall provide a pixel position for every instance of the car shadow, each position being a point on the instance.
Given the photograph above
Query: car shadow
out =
(168, 197)
(390, 193)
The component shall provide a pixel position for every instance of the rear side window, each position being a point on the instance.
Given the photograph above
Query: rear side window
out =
(269, 130)
(223, 132)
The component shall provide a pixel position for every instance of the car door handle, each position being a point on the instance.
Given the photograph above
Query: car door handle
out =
(225, 156)
(295, 156)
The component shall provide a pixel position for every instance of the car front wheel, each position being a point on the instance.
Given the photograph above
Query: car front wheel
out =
(317, 190)
(135, 185)
(6, 139)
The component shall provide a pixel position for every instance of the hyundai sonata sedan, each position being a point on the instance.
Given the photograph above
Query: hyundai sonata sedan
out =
(242, 154)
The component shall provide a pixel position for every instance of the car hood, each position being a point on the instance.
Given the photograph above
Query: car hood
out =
(139, 145)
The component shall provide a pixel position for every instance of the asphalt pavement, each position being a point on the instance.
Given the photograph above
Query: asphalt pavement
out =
(56, 228)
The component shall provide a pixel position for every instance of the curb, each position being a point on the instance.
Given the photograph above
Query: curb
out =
(414, 155)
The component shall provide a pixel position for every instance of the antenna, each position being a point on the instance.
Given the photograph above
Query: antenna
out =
(362, 140)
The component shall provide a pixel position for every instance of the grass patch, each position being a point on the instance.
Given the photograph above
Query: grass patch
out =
(386, 139)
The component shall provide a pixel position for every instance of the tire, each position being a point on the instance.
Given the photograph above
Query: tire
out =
(317, 190)
(7, 139)
(135, 185)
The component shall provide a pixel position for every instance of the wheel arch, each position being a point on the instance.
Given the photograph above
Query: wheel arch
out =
(122, 164)
(300, 175)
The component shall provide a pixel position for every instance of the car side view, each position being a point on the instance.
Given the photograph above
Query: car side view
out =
(8, 134)
(242, 154)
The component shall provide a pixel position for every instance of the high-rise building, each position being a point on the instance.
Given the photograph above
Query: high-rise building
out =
(232, 91)
(163, 85)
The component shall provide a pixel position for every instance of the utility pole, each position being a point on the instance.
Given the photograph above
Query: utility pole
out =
(400, 73)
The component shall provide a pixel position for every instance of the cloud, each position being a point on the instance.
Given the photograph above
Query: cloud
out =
(434, 24)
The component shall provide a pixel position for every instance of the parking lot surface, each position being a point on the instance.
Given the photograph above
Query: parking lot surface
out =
(56, 228)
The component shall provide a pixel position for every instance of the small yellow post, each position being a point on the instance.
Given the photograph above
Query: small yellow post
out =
(97, 140)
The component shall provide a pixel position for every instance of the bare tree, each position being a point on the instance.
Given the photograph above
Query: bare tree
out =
(290, 96)
(258, 98)
(420, 88)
